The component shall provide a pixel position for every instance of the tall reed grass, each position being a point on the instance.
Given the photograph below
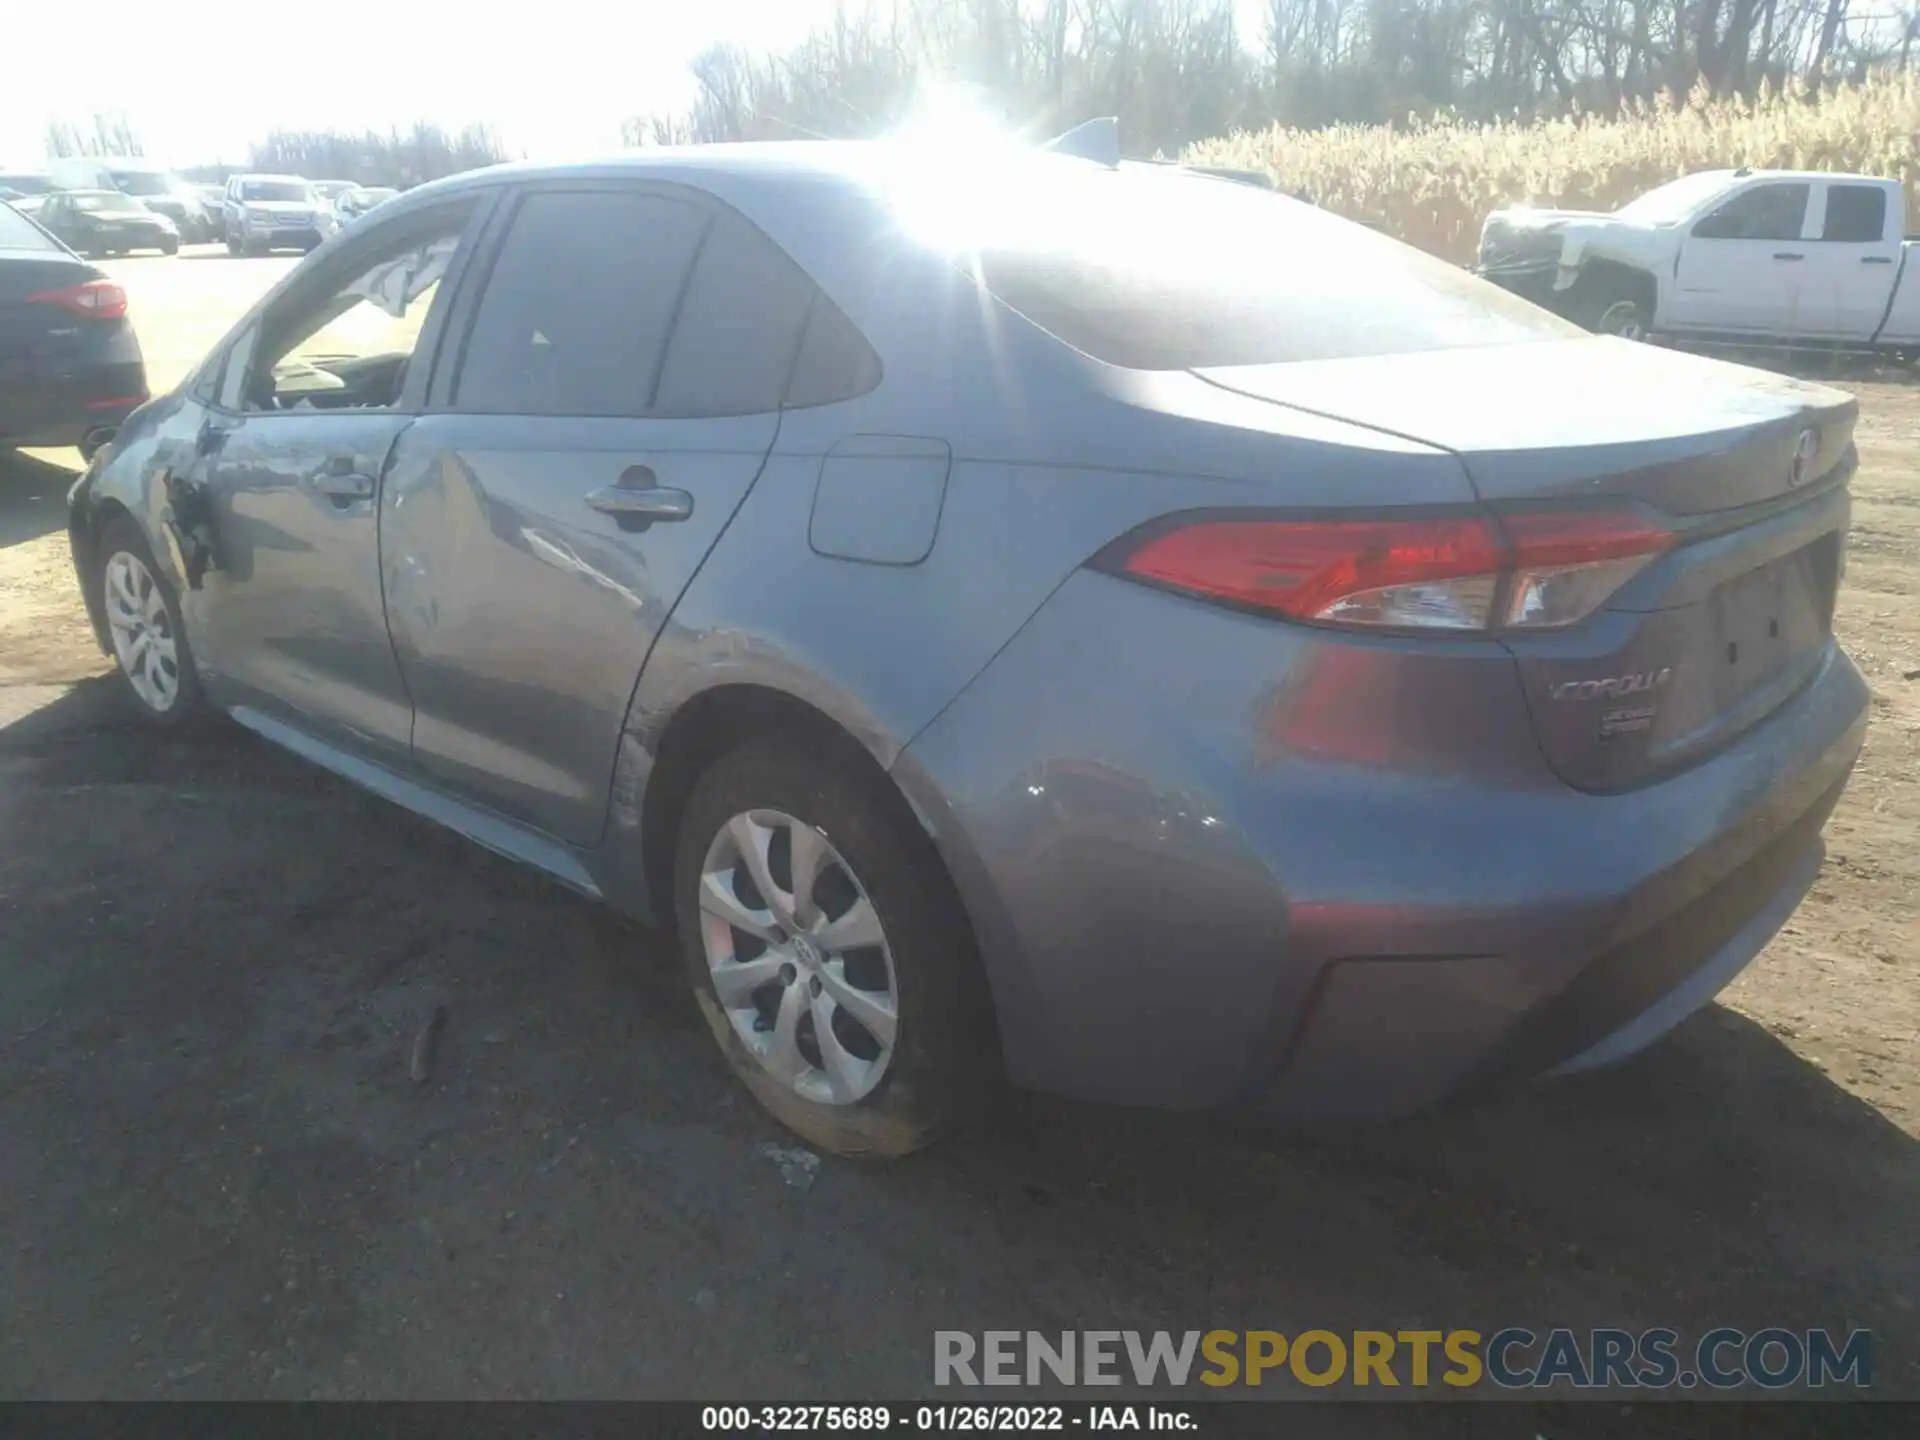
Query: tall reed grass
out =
(1432, 182)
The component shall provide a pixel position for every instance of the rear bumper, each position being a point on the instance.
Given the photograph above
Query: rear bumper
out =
(1211, 882)
(140, 238)
(58, 404)
(283, 237)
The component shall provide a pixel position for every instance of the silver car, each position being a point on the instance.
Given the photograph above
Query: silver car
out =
(1103, 627)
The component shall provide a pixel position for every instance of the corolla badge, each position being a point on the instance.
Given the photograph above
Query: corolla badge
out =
(1614, 686)
(1806, 449)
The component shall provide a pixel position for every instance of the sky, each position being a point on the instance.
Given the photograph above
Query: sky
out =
(198, 82)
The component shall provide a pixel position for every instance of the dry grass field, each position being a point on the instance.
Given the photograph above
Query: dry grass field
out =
(1432, 183)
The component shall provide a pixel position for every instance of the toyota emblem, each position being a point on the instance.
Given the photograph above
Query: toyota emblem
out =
(1806, 450)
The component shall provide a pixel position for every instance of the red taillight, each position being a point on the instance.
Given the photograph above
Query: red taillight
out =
(1533, 571)
(94, 299)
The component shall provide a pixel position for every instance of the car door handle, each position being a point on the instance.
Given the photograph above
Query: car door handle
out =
(1876, 259)
(638, 500)
(344, 487)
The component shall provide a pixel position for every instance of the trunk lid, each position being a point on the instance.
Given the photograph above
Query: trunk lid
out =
(1747, 468)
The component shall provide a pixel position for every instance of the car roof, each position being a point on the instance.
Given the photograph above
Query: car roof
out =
(291, 179)
(99, 194)
(852, 163)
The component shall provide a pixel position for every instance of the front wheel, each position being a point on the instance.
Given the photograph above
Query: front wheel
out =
(828, 951)
(170, 247)
(1623, 316)
(149, 641)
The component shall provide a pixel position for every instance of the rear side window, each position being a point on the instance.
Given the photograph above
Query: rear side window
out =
(835, 361)
(1856, 214)
(738, 328)
(577, 309)
(19, 233)
(1170, 271)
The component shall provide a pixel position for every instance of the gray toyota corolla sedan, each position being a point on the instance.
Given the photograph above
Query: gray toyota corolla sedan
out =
(1108, 627)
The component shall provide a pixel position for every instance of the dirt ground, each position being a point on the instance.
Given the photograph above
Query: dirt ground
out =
(218, 1180)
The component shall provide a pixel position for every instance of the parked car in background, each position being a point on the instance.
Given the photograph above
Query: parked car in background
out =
(331, 190)
(1006, 620)
(1804, 258)
(25, 190)
(26, 182)
(274, 212)
(212, 200)
(107, 222)
(155, 186)
(70, 364)
(362, 198)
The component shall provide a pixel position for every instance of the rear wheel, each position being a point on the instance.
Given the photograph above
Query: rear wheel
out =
(170, 246)
(149, 641)
(828, 952)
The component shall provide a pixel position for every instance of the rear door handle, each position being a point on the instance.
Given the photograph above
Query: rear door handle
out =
(1787, 255)
(344, 487)
(1876, 259)
(638, 500)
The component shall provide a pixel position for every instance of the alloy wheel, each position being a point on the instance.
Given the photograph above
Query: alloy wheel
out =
(798, 958)
(143, 638)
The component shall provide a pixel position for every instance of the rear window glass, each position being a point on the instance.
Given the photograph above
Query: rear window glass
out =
(19, 233)
(1171, 271)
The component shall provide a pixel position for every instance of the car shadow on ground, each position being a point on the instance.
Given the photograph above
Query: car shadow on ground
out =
(218, 966)
(33, 496)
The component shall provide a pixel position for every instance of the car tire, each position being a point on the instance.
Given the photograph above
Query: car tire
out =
(233, 246)
(133, 593)
(170, 247)
(938, 1067)
(1611, 310)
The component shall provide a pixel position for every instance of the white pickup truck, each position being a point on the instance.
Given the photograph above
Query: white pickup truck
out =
(1796, 257)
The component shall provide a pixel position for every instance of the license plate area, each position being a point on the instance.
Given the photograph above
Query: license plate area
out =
(1761, 623)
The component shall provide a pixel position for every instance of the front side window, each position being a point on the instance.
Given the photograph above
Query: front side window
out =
(577, 308)
(1766, 212)
(350, 347)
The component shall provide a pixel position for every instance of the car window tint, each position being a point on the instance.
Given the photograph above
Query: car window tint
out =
(1170, 271)
(19, 233)
(578, 306)
(1766, 212)
(1856, 214)
(739, 326)
(835, 361)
